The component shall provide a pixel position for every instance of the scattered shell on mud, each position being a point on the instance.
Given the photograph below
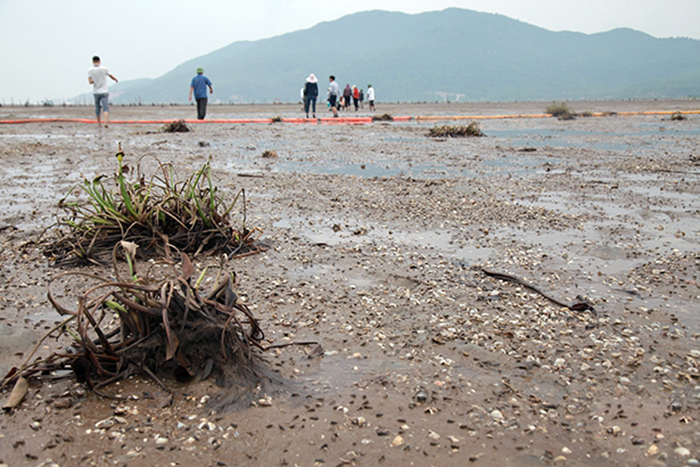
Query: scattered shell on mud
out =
(382, 265)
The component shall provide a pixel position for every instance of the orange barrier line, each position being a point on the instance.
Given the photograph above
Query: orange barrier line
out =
(190, 121)
(229, 120)
(340, 120)
(658, 112)
(479, 117)
(47, 120)
(300, 120)
(354, 120)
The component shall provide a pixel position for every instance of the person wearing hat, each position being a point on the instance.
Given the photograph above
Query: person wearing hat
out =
(199, 87)
(310, 94)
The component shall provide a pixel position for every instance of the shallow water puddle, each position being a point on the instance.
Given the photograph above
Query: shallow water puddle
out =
(44, 136)
(31, 183)
(518, 164)
(439, 240)
(567, 138)
(385, 168)
(375, 169)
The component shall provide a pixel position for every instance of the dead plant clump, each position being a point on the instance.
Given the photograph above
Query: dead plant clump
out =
(151, 211)
(176, 126)
(382, 118)
(561, 111)
(166, 326)
(452, 131)
(678, 116)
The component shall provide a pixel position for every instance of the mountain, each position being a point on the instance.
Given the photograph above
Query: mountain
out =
(452, 54)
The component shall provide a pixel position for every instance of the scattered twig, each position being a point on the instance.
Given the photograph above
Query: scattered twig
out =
(578, 306)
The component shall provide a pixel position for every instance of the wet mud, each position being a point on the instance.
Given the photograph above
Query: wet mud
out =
(376, 238)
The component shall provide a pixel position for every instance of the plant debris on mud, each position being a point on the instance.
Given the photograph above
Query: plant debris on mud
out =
(152, 212)
(382, 118)
(452, 131)
(141, 324)
(678, 116)
(177, 126)
(561, 111)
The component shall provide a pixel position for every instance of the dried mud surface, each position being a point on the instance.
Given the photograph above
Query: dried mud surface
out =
(376, 238)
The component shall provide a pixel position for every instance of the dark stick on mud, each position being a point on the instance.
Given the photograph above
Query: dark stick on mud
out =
(578, 306)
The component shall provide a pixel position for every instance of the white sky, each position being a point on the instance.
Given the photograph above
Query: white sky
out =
(46, 45)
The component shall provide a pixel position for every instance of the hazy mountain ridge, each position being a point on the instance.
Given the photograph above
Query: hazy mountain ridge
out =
(453, 54)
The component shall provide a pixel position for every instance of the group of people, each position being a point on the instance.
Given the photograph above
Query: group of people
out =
(337, 100)
(98, 74)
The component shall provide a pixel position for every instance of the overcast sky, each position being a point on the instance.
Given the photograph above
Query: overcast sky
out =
(46, 45)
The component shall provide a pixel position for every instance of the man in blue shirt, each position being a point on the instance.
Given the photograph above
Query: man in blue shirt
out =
(199, 87)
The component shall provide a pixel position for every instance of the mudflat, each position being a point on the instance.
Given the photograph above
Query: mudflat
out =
(377, 237)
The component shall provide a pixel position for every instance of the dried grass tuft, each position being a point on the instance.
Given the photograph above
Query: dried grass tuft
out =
(152, 211)
(176, 126)
(444, 131)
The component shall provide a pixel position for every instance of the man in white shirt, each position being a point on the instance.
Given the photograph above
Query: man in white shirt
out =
(333, 94)
(370, 97)
(97, 76)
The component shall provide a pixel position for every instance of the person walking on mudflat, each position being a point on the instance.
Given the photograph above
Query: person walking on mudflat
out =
(97, 76)
(333, 93)
(199, 87)
(347, 96)
(370, 97)
(310, 94)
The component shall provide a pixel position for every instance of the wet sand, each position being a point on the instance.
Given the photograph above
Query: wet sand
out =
(377, 236)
